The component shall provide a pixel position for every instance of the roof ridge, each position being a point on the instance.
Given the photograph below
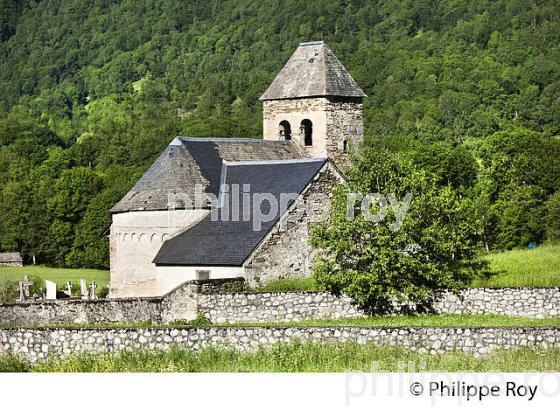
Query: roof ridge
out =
(325, 72)
(274, 161)
(186, 162)
(226, 139)
(311, 43)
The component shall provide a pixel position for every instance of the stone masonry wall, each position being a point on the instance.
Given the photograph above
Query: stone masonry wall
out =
(286, 252)
(344, 123)
(191, 299)
(272, 307)
(38, 344)
(77, 311)
(524, 302)
(334, 120)
(294, 306)
(295, 111)
(11, 264)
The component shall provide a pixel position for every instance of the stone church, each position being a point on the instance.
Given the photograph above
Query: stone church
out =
(187, 218)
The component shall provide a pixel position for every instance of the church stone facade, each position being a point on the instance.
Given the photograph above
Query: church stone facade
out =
(184, 219)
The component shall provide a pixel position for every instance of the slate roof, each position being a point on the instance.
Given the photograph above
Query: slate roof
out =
(187, 162)
(313, 71)
(10, 257)
(228, 242)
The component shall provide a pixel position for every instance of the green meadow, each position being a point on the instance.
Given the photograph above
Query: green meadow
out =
(295, 357)
(523, 267)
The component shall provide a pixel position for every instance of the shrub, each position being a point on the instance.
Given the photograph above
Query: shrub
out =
(552, 219)
(288, 285)
(374, 262)
(199, 321)
(8, 291)
(103, 292)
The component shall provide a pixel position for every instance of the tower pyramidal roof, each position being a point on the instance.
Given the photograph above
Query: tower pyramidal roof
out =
(313, 71)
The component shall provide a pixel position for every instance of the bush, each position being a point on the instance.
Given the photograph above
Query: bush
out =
(13, 364)
(103, 292)
(288, 285)
(552, 219)
(9, 290)
(179, 323)
(199, 321)
(375, 262)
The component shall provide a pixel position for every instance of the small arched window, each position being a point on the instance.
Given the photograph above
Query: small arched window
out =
(285, 130)
(306, 129)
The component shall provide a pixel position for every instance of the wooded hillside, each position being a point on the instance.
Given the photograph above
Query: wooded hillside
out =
(91, 91)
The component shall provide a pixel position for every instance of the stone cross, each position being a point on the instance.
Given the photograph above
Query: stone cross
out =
(24, 286)
(92, 287)
(84, 289)
(21, 292)
(69, 289)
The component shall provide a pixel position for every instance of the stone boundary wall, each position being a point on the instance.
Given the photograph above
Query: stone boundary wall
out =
(523, 302)
(273, 307)
(293, 306)
(193, 298)
(39, 344)
(81, 312)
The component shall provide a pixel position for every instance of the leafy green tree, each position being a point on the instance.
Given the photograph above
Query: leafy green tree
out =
(90, 249)
(519, 215)
(454, 166)
(519, 170)
(373, 260)
(552, 218)
(73, 191)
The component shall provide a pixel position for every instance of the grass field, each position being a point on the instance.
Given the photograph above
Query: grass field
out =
(375, 321)
(295, 357)
(58, 275)
(423, 320)
(518, 267)
(523, 267)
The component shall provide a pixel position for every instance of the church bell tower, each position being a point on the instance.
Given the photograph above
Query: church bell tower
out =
(316, 103)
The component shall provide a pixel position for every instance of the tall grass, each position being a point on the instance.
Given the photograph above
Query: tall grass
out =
(294, 357)
(523, 267)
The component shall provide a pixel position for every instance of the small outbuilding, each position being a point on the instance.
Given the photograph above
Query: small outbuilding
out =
(10, 259)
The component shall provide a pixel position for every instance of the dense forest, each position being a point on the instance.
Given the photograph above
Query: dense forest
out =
(92, 90)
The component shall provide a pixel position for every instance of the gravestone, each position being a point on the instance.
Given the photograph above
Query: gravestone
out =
(24, 286)
(68, 290)
(21, 292)
(92, 295)
(51, 290)
(84, 289)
